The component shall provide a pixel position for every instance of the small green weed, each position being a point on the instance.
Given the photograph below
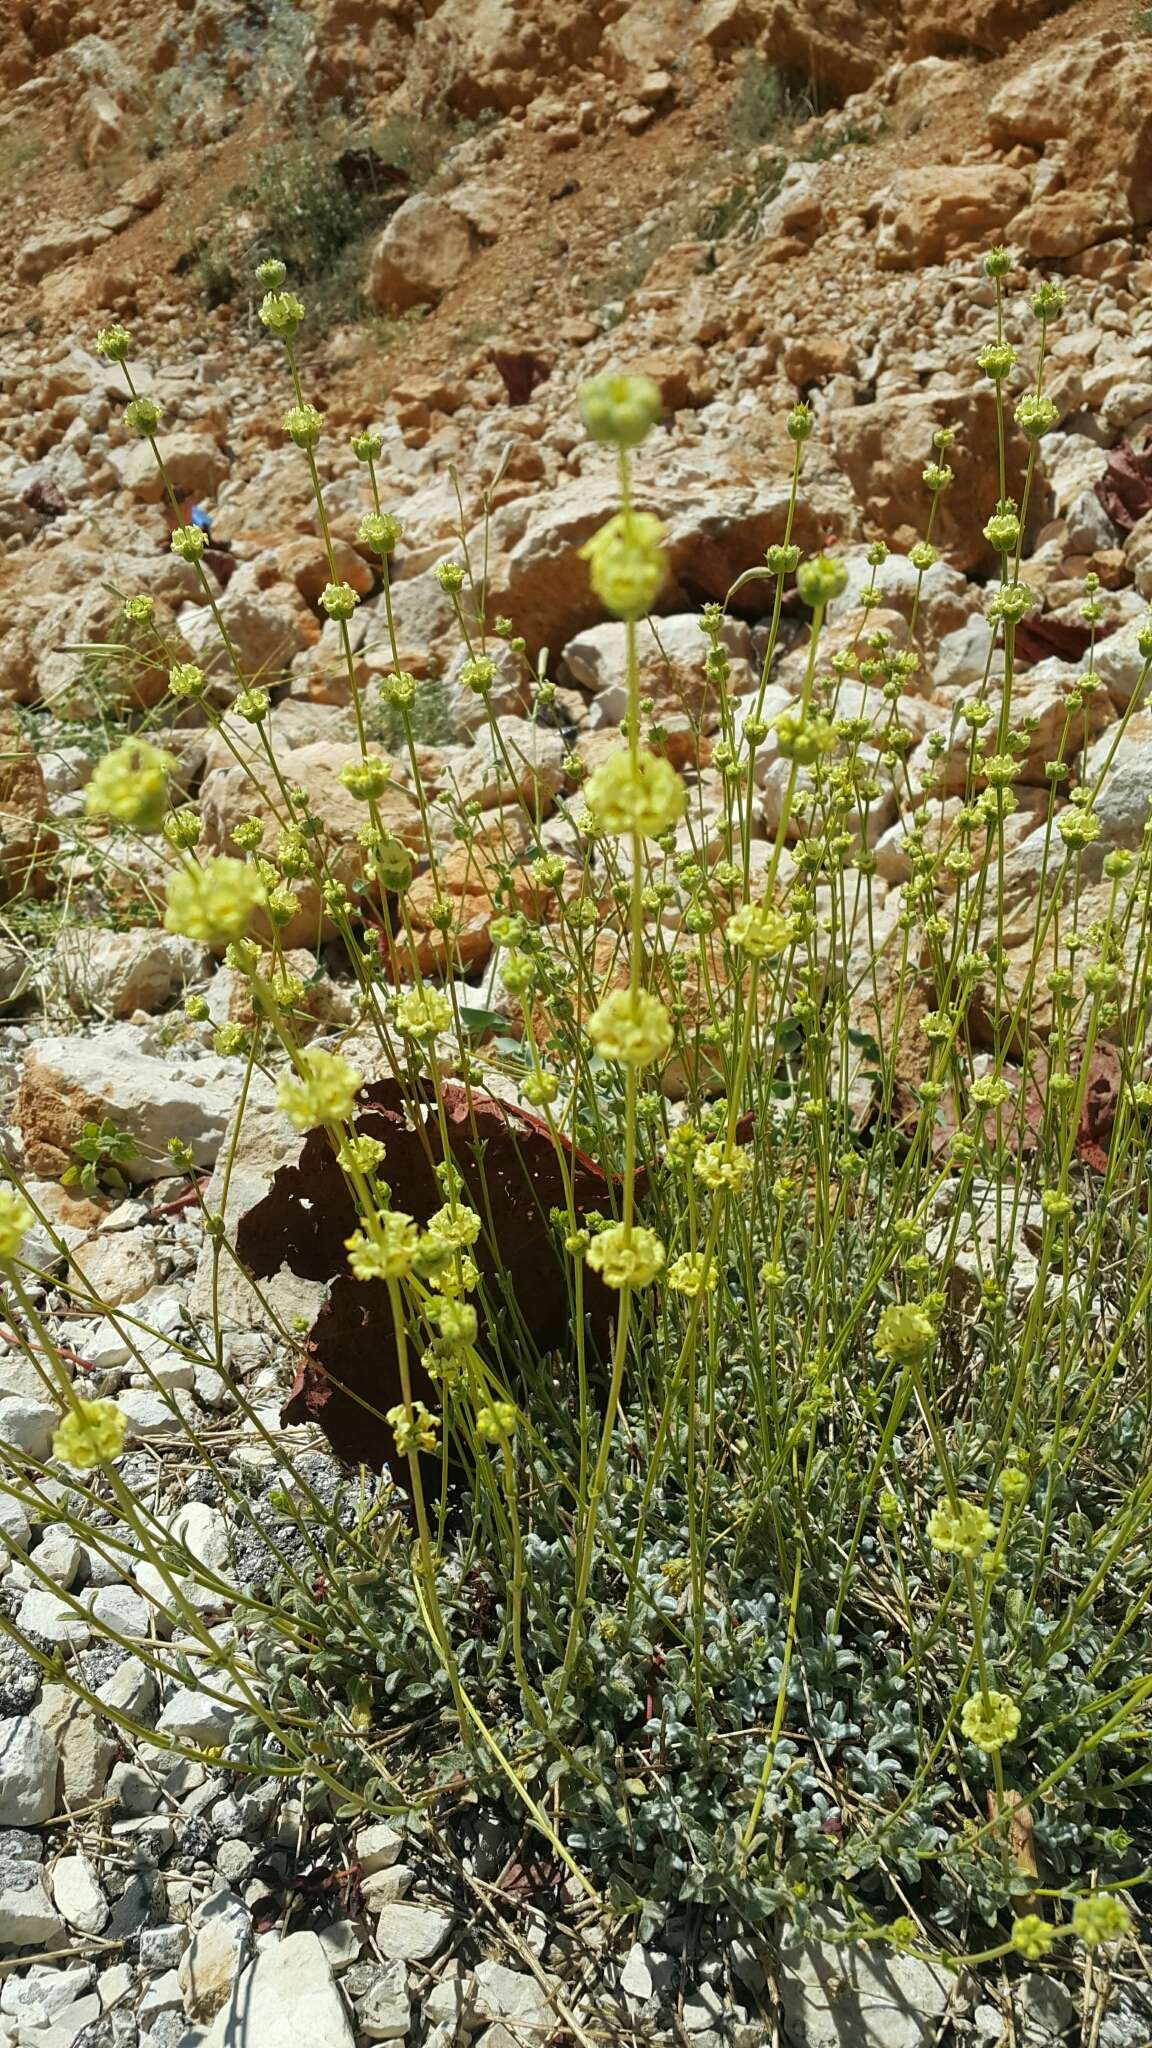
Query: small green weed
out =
(100, 1151)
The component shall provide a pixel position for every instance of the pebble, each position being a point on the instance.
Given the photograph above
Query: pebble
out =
(380, 1995)
(288, 1994)
(191, 1716)
(44, 1614)
(220, 1940)
(412, 1934)
(28, 1767)
(377, 1847)
(511, 1996)
(27, 1425)
(78, 1896)
(27, 1916)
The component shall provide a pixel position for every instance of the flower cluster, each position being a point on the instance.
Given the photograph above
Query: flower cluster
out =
(634, 1030)
(990, 1720)
(626, 564)
(961, 1527)
(626, 1257)
(635, 793)
(323, 1092)
(213, 903)
(92, 1433)
(130, 786)
(386, 1250)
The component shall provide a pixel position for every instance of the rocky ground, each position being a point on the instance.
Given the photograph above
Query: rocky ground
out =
(598, 192)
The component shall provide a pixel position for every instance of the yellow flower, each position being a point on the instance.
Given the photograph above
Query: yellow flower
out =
(720, 1165)
(1032, 1937)
(415, 1431)
(15, 1219)
(903, 1331)
(213, 903)
(131, 785)
(92, 1433)
(965, 1529)
(455, 1226)
(324, 1094)
(1103, 1916)
(626, 1258)
(423, 1012)
(387, 1251)
(759, 931)
(990, 1722)
(635, 1030)
(692, 1274)
(644, 795)
(496, 1421)
(626, 563)
(368, 778)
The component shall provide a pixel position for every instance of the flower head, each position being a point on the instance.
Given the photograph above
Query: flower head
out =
(387, 1250)
(719, 1165)
(620, 410)
(626, 563)
(1102, 1916)
(130, 785)
(965, 1528)
(1035, 413)
(143, 416)
(367, 778)
(626, 1258)
(325, 1093)
(692, 1274)
(635, 794)
(16, 1219)
(185, 679)
(820, 580)
(990, 1720)
(634, 1030)
(380, 531)
(903, 1331)
(189, 542)
(281, 313)
(496, 1422)
(423, 1012)
(213, 903)
(92, 1433)
(1032, 1937)
(339, 600)
(759, 930)
(414, 1429)
(303, 425)
(113, 343)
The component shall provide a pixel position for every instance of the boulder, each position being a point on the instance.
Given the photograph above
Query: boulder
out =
(155, 1092)
(1123, 771)
(713, 533)
(265, 631)
(196, 467)
(926, 215)
(671, 653)
(228, 796)
(1092, 96)
(883, 449)
(424, 249)
(114, 973)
